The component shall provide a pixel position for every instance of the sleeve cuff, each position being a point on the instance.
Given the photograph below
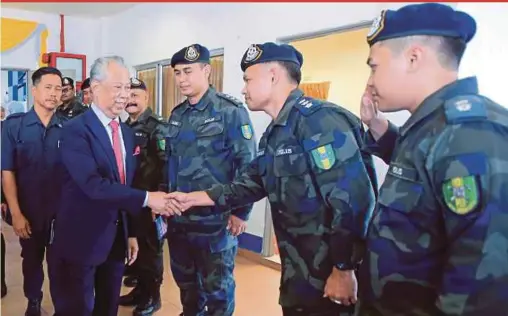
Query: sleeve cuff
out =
(215, 193)
(242, 213)
(145, 202)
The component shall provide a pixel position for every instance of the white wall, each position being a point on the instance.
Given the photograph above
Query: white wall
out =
(160, 30)
(82, 36)
(486, 54)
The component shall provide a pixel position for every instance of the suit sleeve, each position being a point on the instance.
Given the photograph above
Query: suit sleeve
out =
(241, 136)
(383, 147)
(341, 179)
(79, 162)
(470, 180)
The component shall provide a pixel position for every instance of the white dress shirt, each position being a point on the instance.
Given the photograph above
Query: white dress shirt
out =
(105, 122)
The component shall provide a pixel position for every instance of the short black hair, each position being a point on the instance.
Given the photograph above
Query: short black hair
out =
(39, 73)
(293, 70)
(452, 51)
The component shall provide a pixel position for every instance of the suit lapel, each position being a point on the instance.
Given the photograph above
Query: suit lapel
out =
(129, 151)
(99, 131)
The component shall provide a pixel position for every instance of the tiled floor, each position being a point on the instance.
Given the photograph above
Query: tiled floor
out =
(256, 291)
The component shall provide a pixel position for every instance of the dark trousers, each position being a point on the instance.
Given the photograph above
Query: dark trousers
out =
(32, 252)
(205, 279)
(149, 266)
(3, 262)
(326, 308)
(76, 284)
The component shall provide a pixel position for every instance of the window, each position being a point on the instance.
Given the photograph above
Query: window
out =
(163, 92)
(149, 77)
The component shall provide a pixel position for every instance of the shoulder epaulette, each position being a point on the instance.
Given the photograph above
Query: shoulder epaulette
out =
(465, 108)
(307, 105)
(15, 115)
(230, 98)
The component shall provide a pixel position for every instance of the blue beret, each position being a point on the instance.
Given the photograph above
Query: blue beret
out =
(137, 84)
(432, 19)
(194, 53)
(267, 52)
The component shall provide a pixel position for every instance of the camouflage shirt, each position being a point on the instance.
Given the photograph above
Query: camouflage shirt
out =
(320, 190)
(438, 245)
(72, 110)
(150, 132)
(208, 143)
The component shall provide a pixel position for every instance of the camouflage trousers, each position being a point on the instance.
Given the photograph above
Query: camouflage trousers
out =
(205, 279)
(325, 308)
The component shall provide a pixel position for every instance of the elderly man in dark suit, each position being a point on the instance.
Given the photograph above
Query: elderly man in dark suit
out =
(92, 232)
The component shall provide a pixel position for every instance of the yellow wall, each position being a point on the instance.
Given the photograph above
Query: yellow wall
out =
(341, 59)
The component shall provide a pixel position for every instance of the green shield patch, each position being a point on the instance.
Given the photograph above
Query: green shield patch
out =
(461, 194)
(324, 157)
(247, 131)
(162, 144)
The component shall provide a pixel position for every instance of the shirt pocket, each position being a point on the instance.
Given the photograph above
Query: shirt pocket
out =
(400, 190)
(293, 180)
(210, 138)
(26, 154)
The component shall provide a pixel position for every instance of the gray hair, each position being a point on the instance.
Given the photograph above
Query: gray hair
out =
(100, 66)
(449, 50)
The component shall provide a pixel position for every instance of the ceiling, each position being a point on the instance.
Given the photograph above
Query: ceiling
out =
(76, 9)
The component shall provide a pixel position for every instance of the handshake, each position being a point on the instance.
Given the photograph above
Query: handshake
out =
(175, 203)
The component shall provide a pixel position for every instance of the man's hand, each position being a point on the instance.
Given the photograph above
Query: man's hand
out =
(157, 202)
(236, 225)
(21, 225)
(180, 202)
(132, 250)
(370, 115)
(341, 287)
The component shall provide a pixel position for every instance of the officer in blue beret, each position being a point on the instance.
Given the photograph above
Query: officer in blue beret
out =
(434, 245)
(210, 140)
(319, 184)
(30, 182)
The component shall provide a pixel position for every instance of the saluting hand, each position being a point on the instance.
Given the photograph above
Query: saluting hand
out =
(368, 109)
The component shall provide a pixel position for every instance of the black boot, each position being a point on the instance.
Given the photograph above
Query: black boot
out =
(130, 281)
(33, 308)
(153, 305)
(132, 299)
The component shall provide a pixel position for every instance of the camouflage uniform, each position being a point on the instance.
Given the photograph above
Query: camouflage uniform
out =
(73, 109)
(150, 131)
(321, 195)
(441, 230)
(208, 143)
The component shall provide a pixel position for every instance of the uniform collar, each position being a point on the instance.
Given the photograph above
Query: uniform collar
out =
(283, 116)
(435, 101)
(207, 98)
(143, 117)
(31, 118)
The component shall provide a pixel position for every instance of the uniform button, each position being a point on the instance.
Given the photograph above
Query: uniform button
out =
(280, 212)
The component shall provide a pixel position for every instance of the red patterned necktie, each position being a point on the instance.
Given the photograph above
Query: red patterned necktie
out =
(117, 148)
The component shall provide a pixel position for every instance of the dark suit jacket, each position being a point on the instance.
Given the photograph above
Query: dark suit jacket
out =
(93, 199)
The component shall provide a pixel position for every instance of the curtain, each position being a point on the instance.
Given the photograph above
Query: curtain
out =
(318, 90)
(171, 95)
(148, 76)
